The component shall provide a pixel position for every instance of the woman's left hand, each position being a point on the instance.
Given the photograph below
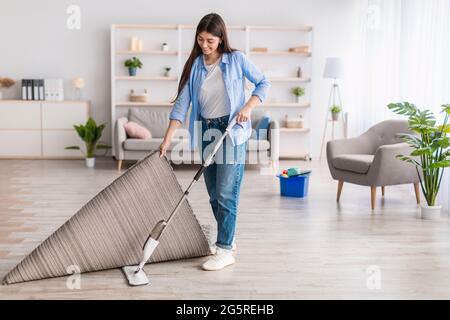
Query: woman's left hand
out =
(244, 114)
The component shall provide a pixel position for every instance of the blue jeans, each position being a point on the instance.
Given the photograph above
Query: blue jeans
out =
(223, 178)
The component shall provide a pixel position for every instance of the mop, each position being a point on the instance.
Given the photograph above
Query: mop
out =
(135, 274)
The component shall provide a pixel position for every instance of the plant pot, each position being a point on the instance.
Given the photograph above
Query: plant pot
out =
(334, 116)
(132, 71)
(430, 212)
(298, 99)
(90, 162)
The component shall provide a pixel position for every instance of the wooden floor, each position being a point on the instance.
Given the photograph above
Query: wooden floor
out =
(288, 248)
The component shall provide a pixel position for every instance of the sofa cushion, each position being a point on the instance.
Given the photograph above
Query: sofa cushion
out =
(155, 121)
(258, 145)
(153, 144)
(359, 163)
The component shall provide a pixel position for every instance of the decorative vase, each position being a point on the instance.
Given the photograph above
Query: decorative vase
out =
(90, 162)
(430, 212)
(132, 71)
(164, 47)
(334, 116)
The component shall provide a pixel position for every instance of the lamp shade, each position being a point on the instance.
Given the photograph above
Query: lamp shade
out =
(333, 68)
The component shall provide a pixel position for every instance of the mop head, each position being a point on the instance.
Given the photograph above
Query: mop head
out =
(109, 231)
(135, 278)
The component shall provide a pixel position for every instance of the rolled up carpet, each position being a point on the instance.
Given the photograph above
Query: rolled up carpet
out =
(109, 231)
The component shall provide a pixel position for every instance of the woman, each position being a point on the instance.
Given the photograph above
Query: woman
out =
(213, 80)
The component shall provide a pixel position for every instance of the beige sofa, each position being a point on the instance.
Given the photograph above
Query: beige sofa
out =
(258, 151)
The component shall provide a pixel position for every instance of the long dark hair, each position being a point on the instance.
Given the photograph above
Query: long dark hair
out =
(211, 23)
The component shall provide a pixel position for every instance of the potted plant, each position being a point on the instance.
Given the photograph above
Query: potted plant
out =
(431, 153)
(167, 71)
(90, 133)
(132, 64)
(298, 92)
(335, 110)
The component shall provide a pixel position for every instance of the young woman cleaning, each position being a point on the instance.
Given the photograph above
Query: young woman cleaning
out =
(213, 81)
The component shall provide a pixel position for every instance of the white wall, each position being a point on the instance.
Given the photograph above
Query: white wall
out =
(36, 43)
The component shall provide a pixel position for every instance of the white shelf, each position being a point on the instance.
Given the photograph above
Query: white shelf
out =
(190, 26)
(286, 105)
(288, 79)
(140, 78)
(294, 129)
(295, 156)
(146, 26)
(148, 52)
(281, 28)
(231, 27)
(143, 104)
(279, 53)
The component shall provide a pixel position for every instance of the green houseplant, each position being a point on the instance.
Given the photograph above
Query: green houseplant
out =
(298, 92)
(431, 153)
(132, 65)
(90, 133)
(335, 110)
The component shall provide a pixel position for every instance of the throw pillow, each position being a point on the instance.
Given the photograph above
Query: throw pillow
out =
(261, 129)
(136, 131)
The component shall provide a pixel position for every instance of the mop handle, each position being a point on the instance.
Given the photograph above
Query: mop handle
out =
(200, 172)
(216, 148)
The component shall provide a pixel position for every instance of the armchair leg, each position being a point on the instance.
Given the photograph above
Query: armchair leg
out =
(373, 193)
(339, 190)
(119, 165)
(382, 191)
(417, 191)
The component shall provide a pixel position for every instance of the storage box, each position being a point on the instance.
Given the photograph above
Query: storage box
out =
(296, 186)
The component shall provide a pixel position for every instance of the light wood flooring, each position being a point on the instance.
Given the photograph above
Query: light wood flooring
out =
(287, 248)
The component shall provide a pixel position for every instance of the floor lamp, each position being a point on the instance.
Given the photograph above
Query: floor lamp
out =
(333, 71)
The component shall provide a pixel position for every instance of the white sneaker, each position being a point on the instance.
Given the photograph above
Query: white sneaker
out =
(219, 260)
(213, 248)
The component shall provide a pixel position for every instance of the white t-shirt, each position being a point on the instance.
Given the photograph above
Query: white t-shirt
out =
(213, 97)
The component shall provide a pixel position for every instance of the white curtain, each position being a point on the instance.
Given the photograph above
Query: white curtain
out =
(404, 55)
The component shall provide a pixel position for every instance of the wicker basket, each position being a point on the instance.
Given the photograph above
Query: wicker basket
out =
(295, 122)
(141, 97)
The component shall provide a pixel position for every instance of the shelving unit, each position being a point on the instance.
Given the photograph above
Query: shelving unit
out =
(180, 37)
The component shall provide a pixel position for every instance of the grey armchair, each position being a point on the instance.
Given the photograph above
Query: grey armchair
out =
(369, 159)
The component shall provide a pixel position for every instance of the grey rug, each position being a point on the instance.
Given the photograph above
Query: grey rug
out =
(109, 231)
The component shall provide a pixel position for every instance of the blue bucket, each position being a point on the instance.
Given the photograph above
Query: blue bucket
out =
(296, 186)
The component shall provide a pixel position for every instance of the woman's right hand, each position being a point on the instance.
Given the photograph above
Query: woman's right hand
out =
(163, 148)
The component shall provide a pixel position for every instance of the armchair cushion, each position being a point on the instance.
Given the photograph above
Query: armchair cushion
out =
(258, 145)
(358, 163)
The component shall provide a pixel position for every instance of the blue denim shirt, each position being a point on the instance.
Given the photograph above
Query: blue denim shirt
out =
(235, 68)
